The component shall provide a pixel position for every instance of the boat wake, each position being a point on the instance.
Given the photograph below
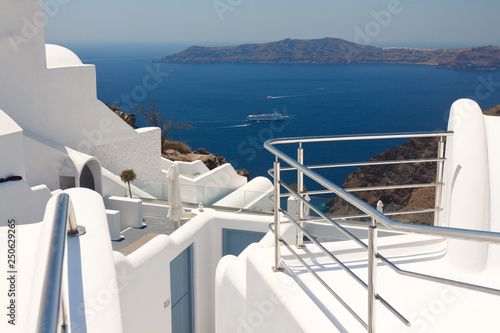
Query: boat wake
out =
(234, 126)
(301, 95)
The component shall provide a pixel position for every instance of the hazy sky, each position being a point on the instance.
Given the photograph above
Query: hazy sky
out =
(420, 23)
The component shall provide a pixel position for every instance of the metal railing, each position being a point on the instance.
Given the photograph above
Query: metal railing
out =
(53, 314)
(376, 217)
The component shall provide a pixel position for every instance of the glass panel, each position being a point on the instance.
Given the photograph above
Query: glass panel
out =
(210, 195)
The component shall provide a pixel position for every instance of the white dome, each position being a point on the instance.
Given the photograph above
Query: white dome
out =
(58, 56)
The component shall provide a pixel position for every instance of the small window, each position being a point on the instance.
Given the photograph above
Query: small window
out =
(235, 241)
(66, 182)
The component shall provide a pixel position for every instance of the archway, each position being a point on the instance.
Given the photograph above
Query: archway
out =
(80, 170)
(87, 178)
(91, 176)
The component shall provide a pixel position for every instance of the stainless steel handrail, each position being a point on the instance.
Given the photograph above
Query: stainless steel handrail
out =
(343, 165)
(467, 234)
(52, 313)
(376, 216)
(357, 137)
(403, 212)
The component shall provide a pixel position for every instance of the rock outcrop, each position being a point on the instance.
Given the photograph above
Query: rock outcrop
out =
(209, 159)
(494, 111)
(129, 118)
(244, 173)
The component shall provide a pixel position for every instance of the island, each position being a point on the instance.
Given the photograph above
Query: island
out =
(338, 51)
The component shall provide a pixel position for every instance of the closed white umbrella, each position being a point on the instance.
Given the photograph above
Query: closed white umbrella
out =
(176, 211)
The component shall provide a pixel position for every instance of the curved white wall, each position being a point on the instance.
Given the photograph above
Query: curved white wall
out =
(466, 196)
(93, 286)
(493, 134)
(58, 56)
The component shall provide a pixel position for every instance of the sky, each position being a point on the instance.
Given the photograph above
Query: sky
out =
(412, 23)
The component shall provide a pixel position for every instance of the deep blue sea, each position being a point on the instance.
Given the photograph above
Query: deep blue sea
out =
(320, 100)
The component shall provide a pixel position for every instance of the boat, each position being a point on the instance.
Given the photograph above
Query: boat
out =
(269, 97)
(275, 116)
(80, 255)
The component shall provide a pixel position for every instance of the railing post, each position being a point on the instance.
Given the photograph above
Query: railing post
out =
(372, 276)
(74, 230)
(439, 179)
(277, 235)
(300, 189)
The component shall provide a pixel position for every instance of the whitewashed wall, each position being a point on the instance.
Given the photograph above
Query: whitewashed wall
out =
(44, 163)
(47, 91)
(11, 148)
(147, 272)
(141, 153)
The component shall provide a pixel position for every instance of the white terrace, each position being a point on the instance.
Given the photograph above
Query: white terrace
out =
(61, 151)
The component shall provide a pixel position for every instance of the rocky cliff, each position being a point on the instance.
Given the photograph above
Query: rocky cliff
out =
(338, 51)
(400, 199)
(395, 174)
(484, 58)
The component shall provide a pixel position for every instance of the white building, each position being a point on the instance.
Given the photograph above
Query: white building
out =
(58, 143)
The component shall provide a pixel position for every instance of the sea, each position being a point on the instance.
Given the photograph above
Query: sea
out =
(215, 99)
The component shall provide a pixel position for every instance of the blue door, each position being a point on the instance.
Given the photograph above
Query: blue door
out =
(235, 241)
(181, 288)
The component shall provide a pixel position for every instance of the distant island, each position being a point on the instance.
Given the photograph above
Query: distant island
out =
(338, 51)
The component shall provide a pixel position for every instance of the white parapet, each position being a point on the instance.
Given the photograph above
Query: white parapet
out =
(130, 211)
(114, 224)
(186, 168)
(255, 195)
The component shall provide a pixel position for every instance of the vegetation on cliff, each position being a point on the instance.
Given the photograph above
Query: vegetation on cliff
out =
(171, 149)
